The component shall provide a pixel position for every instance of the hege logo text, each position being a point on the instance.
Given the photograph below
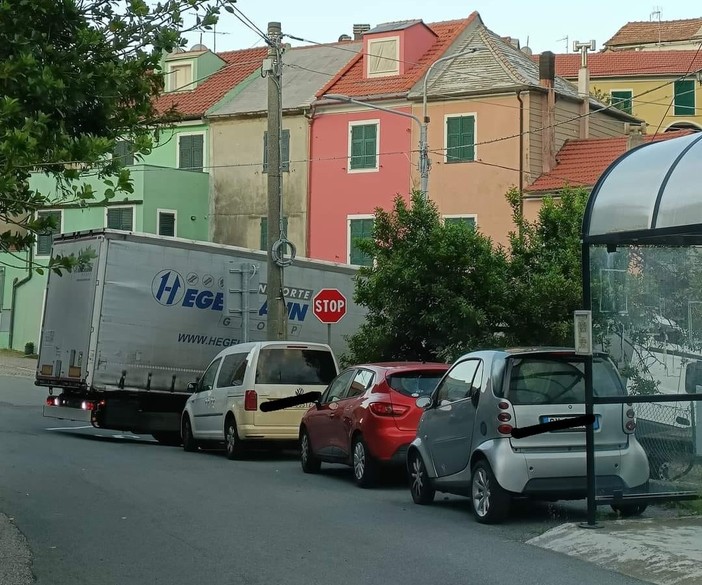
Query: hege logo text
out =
(168, 288)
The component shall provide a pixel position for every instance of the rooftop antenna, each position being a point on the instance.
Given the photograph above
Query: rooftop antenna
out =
(214, 35)
(657, 12)
(566, 39)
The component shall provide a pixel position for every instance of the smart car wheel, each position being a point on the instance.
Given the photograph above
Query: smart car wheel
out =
(189, 442)
(233, 445)
(364, 467)
(629, 510)
(420, 483)
(310, 463)
(489, 501)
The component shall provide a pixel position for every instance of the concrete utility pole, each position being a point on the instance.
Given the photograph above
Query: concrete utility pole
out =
(584, 85)
(277, 326)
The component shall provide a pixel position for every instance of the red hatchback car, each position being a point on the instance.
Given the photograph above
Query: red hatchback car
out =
(367, 417)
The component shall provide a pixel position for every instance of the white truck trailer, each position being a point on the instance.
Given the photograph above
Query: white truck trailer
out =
(142, 316)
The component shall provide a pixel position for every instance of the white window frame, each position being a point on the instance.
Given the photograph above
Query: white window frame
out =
(204, 149)
(132, 207)
(173, 212)
(169, 75)
(349, 218)
(63, 219)
(353, 123)
(473, 216)
(475, 135)
(631, 91)
(396, 70)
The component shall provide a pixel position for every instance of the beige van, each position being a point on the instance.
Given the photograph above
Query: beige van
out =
(225, 402)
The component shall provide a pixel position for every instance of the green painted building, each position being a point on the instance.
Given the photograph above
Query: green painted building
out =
(171, 184)
(166, 201)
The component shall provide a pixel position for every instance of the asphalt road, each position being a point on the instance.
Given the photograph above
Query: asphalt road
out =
(100, 509)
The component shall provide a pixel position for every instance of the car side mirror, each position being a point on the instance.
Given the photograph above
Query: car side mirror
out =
(423, 402)
(192, 386)
(474, 395)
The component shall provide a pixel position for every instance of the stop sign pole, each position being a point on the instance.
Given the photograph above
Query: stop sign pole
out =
(329, 306)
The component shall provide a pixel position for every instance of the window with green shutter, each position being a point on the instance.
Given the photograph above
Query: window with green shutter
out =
(264, 231)
(124, 152)
(285, 151)
(460, 139)
(685, 97)
(361, 229)
(46, 238)
(166, 223)
(364, 146)
(622, 100)
(120, 218)
(469, 221)
(191, 152)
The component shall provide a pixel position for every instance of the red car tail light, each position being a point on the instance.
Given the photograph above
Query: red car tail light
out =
(504, 429)
(503, 405)
(387, 409)
(504, 417)
(250, 400)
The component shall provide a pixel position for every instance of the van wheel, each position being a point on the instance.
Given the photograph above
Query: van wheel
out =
(420, 483)
(310, 463)
(365, 468)
(489, 501)
(189, 442)
(629, 510)
(232, 442)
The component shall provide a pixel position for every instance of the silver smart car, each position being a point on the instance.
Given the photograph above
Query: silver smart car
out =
(464, 444)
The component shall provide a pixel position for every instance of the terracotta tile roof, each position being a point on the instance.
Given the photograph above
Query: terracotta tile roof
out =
(193, 104)
(647, 32)
(580, 162)
(629, 63)
(350, 80)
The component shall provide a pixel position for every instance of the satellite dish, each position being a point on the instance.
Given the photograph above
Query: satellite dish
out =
(199, 47)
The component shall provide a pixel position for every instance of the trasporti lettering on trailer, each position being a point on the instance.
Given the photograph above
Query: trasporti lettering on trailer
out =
(169, 288)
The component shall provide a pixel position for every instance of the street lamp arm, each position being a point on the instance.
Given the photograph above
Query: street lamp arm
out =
(349, 100)
(428, 73)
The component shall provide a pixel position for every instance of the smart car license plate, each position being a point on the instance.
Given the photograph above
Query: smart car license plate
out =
(554, 418)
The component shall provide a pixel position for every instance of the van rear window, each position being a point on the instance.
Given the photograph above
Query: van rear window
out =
(415, 383)
(295, 366)
(554, 380)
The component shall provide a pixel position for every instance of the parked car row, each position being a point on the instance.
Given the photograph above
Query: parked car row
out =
(450, 426)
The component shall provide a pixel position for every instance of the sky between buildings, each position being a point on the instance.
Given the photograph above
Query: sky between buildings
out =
(544, 23)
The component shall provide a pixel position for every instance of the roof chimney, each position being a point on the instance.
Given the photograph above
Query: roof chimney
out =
(547, 80)
(635, 135)
(547, 69)
(359, 29)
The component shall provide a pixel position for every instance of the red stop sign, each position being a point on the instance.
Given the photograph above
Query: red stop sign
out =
(329, 305)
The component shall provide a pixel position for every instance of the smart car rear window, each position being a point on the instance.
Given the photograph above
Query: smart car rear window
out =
(420, 383)
(295, 366)
(554, 380)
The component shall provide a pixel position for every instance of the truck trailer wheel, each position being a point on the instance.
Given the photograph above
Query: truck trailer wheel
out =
(167, 438)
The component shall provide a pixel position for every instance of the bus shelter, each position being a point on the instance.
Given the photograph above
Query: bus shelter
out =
(642, 284)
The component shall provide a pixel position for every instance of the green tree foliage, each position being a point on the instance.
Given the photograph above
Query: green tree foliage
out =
(438, 290)
(76, 76)
(434, 289)
(545, 269)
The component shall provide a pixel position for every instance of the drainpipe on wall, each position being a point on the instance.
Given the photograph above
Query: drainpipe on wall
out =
(521, 153)
(308, 234)
(15, 285)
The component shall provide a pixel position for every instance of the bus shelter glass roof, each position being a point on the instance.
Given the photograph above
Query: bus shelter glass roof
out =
(652, 194)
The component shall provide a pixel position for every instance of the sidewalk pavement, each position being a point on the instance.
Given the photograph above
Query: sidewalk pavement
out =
(663, 551)
(17, 365)
(15, 557)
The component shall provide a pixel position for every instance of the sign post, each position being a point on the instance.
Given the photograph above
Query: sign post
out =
(329, 306)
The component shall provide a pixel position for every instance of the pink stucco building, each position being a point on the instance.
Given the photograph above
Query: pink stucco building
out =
(360, 157)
